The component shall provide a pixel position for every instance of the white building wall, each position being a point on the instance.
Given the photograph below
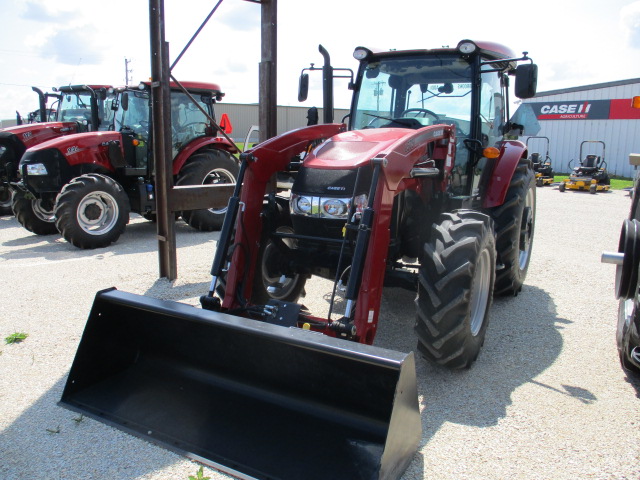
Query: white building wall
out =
(621, 137)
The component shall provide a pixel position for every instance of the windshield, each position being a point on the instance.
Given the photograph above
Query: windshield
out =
(136, 116)
(187, 120)
(413, 92)
(76, 107)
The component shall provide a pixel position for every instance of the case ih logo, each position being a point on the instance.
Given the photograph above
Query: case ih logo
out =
(73, 149)
(27, 135)
(618, 109)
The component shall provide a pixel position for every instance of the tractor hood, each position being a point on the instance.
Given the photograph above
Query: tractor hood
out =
(35, 133)
(399, 148)
(78, 141)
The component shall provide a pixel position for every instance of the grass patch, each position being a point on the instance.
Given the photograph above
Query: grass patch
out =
(15, 338)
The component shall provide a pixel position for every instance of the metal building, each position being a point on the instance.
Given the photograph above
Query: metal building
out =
(600, 112)
(244, 116)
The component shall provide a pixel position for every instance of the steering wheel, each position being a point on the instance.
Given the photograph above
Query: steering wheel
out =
(187, 125)
(424, 112)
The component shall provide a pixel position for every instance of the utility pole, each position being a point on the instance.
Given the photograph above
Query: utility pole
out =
(127, 71)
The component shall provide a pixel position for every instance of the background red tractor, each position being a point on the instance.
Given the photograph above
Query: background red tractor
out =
(85, 185)
(81, 108)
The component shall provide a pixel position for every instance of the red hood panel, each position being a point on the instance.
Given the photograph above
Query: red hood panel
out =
(79, 140)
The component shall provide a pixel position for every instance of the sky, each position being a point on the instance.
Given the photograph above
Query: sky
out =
(45, 43)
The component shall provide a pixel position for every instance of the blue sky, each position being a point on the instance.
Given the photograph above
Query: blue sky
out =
(48, 44)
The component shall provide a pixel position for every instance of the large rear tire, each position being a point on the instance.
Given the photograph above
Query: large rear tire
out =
(515, 224)
(34, 214)
(211, 167)
(92, 211)
(455, 289)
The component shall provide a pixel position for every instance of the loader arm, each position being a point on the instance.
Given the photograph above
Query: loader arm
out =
(264, 160)
(396, 153)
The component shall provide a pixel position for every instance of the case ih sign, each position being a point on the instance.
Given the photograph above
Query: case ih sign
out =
(619, 109)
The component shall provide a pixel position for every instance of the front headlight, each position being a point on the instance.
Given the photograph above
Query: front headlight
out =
(325, 207)
(37, 169)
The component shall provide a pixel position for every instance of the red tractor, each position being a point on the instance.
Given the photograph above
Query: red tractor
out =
(85, 185)
(424, 188)
(81, 108)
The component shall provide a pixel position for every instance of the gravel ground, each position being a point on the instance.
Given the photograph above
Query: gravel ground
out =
(547, 398)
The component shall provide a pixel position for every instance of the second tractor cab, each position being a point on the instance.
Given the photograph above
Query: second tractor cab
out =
(85, 185)
(591, 174)
(80, 108)
(541, 166)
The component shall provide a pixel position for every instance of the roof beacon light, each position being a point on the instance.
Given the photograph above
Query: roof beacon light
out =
(467, 47)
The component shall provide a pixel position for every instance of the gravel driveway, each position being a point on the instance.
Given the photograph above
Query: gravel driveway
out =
(547, 398)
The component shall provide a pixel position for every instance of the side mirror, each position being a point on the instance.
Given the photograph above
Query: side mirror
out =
(312, 116)
(124, 101)
(526, 80)
(303, 87)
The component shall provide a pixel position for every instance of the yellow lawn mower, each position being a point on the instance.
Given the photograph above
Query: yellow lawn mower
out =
(590, 175)
(541, 167)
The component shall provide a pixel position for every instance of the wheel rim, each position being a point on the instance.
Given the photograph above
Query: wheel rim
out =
(480, 291)
(41, 211)
(271, 274)
(219, 176)
(97, 213)
(526, 230)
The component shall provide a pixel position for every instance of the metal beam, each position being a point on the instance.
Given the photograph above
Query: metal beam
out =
(161, 120)
(267, 110)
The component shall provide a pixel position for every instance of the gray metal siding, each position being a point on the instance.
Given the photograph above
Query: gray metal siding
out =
(621, 137)
(289, 118)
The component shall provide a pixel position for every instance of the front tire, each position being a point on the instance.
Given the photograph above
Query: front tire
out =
(34, 214)
(627, 334)
(92, 211)
(212, 167)
(455, 289)
(270, 280)
(515, 224)
(5, 201)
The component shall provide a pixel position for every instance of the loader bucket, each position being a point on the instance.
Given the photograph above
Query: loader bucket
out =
(249, 398)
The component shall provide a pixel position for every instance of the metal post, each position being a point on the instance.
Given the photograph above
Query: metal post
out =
(161, 119)
(267, 110)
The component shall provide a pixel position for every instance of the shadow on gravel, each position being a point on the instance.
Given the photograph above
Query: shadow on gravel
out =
(54, 247)
(48, 441)
(161, 289)
(523, 339)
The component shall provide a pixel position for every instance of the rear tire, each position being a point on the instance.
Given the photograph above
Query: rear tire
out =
(515, 225)
(36, 215)
(92, 211)
(211, 167)
(455, 289)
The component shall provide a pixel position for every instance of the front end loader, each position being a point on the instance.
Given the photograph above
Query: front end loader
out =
(419, 190)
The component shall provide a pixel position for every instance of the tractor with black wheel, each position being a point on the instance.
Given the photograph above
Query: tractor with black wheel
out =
(591, 174)
(421, 190)
(541, 166)
(627, 288)
(407, 194)
(78, 108)
(86, 185)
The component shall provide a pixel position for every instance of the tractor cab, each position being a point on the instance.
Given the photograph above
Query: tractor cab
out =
(466, 87)
(188, 119)
(89, 106)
